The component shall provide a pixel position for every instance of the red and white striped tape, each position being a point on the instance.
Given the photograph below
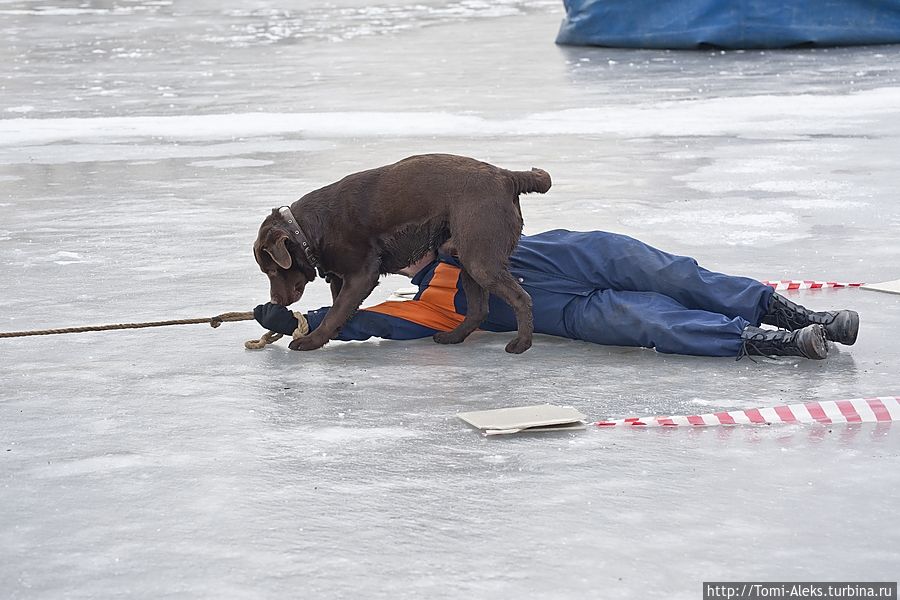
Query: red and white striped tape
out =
(859, 410)
(807, 284)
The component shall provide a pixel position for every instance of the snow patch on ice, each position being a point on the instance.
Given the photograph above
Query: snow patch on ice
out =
(56, 11)
(342, 435)
(52, 11)
(495, 459)
(818, 186)
(234, 163)
(702, 402)
(63, 257)
(783, 169)
(148, 153)
(87, 466)
(9, 178)
(328, 23)
(750, 117)
(25, 108)
(733, 227)
(822, 203)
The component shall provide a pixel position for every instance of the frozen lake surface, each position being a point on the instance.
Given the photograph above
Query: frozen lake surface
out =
(142, 143)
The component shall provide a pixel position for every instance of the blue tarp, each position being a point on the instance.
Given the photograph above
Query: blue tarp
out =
(729, 23)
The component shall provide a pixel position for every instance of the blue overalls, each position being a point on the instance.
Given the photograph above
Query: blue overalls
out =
(595, 286)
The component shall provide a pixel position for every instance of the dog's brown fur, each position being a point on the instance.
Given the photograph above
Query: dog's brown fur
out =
(381, 220)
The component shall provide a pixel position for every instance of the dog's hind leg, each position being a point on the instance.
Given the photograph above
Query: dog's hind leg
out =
(485, 238)
(477, 301)
(497, 280)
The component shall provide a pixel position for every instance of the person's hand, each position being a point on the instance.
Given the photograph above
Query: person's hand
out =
(275, 317)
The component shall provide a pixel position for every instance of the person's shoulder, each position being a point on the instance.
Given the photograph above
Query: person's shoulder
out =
(549, 233)
(553, 235)
(563, 234)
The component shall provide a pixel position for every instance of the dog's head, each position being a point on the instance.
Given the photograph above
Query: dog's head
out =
(273, 250)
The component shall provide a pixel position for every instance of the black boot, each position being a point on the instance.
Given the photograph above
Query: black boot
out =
(840, 325)
(808, 342)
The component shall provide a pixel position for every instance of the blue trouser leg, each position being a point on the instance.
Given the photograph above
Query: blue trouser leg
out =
(618, 262)
(681, 278)
(652, 320)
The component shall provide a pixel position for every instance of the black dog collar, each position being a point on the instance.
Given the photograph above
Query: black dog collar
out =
(288, 217)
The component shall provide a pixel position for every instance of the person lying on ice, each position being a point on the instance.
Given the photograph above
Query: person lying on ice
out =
(604, 288)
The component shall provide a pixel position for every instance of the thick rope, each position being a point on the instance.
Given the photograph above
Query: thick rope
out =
(268, 338)
(215, 321)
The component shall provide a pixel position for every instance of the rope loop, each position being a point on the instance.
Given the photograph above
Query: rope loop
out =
(267, 338)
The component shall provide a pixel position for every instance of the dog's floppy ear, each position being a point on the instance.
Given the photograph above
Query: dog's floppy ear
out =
(277, 249)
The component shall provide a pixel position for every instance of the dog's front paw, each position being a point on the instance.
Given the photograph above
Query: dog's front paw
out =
(308, 342)
(518, 345)
(448, 337)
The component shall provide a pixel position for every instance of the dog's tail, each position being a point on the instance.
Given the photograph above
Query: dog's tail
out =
(535, 180)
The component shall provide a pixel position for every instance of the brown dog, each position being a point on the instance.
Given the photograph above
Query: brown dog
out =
(379, 221)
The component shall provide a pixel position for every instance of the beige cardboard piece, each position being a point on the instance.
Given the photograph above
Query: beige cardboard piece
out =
(543, 417)
(891, 287)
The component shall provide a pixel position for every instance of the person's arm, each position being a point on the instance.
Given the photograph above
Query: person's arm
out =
(363, 325)
(434, 311)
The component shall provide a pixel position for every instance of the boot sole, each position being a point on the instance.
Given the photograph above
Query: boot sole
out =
(814, 344)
